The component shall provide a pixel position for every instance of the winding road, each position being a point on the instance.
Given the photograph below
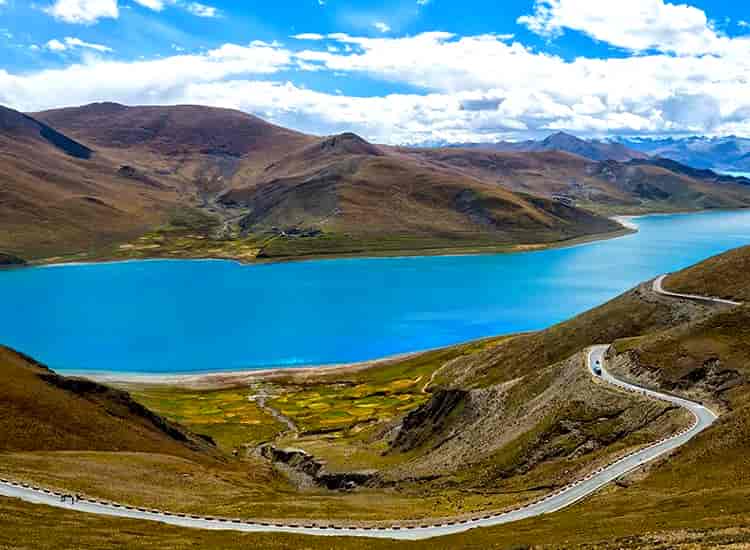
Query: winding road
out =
(566, 496)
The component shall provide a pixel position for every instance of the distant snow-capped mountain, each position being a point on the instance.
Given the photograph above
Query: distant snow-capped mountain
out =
(730, 153)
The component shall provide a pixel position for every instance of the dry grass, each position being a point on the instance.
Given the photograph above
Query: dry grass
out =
(723, 276)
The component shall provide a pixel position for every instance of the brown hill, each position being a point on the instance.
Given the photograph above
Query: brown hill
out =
(637, 186)
(275, 181)
(344, 185)
(176, 130)
(723, 276)
(286, 194)
(58, 195)
(42, 411)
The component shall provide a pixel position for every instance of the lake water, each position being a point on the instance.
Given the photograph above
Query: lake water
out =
(737, 174)
(202, 316)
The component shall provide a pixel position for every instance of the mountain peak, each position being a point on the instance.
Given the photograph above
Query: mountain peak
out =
(562, 137)
(349, 143)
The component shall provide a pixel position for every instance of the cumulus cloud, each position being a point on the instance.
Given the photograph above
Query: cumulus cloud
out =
(155, 81)
(83, 11)
(635, 25)
(470, 88)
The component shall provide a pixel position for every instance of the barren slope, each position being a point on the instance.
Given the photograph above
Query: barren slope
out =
(636, 186)
(344, 185)
(274, 182)
(57, 195)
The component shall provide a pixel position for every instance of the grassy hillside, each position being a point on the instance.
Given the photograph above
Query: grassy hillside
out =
(723, 276)
(592, 524)
(41, 410)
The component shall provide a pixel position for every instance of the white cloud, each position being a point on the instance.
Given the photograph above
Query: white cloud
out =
(70, 43)
(78, 43)
(308, 36)
(83, 11)
(201, 10)
(472, 88)
(55, 45)
(382, 26)
(156, 5)
(160, 80)
(636, 25)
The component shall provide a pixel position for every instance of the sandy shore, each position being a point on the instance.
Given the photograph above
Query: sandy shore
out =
(212, 380)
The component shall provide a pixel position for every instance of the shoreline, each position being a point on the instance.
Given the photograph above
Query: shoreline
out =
(224, 379)
(457, 252)
(233, 378)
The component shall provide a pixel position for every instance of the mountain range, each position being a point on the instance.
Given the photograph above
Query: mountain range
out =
(729, 154)
(561, 141)
(111, 181)
(723, 154)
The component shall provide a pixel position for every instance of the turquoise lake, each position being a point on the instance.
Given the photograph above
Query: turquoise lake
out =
(203, 316)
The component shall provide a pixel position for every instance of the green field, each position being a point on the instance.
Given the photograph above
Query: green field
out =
(228, 416)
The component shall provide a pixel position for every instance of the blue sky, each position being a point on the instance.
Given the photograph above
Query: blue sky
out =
(399, 71)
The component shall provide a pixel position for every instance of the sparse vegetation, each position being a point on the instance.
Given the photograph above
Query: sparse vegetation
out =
(230, 417)
(723, 276)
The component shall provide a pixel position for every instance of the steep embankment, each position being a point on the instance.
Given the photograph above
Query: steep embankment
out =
(681, 346)
(708, 359)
